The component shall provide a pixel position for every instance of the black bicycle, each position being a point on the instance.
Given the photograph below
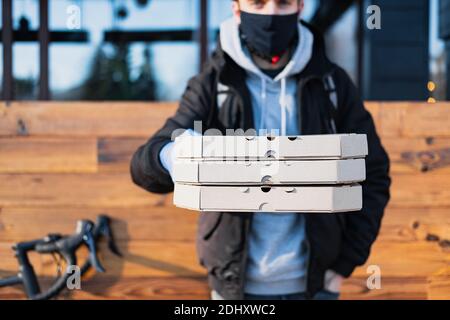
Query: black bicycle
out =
(87, 233)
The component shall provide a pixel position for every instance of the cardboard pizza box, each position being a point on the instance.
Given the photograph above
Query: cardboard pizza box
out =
(269, 172)
(336, 146)
(306, 199)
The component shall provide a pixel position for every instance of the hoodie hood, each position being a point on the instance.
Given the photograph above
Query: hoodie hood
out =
(262, 87)
(231, 44)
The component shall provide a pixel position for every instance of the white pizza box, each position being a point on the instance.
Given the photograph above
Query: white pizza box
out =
(269, 172)
(307, 199)
(337, 146)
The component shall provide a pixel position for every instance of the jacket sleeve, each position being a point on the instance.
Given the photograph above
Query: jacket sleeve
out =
(146, 168)
(361, 228)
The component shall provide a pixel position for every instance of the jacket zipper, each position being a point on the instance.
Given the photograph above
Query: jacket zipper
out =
(302, 83)
(249, 223)
(300, 88)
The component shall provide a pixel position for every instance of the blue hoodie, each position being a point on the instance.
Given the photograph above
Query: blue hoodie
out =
(278, 248)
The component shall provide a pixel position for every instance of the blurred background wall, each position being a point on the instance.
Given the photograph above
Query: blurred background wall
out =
(148, 49)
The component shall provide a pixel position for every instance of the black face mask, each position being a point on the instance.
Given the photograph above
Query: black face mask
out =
(268, 36)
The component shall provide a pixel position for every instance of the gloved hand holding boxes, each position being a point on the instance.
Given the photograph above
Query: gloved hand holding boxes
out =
(270, 174)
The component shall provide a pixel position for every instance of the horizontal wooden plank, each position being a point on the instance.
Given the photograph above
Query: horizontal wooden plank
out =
(400, 288)
(101, 287)
(412, 119)
(172, 223)
(416, 224)
(76, 190)
(146, 223)
(438, 285)
(114, 154)
(419, 190)
(409, 119)
(117, 190)
(416, 155)
(36, 155)
(390, 117)
(156, 288)
(405, 259)
(175, 258)
(374, 108)
(407, 155)
(84, 118)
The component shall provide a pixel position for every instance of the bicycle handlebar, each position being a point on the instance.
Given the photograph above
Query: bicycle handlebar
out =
(86, 233)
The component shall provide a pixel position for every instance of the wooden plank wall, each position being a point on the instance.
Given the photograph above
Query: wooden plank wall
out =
(60, 162)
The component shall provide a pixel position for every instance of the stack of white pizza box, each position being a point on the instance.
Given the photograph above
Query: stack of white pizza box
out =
(305, 174)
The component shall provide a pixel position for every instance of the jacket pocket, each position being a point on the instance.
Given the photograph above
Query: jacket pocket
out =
(208, 223)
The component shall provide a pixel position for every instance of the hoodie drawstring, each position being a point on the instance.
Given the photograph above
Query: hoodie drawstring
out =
(282, 101)
(283, 105)
(263, 107)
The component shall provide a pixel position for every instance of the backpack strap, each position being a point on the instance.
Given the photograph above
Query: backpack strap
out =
(219, 94)
(222, 92)
(330, 88)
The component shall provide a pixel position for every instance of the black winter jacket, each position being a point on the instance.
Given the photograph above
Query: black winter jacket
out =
(339, 242)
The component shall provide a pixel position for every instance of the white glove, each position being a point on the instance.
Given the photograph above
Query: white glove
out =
(333, 281)
(167, 155)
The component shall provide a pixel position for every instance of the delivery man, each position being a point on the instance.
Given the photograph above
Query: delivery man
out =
(270, 71)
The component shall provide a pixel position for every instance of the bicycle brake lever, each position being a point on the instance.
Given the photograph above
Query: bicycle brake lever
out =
(104, 225)
(88, 238)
